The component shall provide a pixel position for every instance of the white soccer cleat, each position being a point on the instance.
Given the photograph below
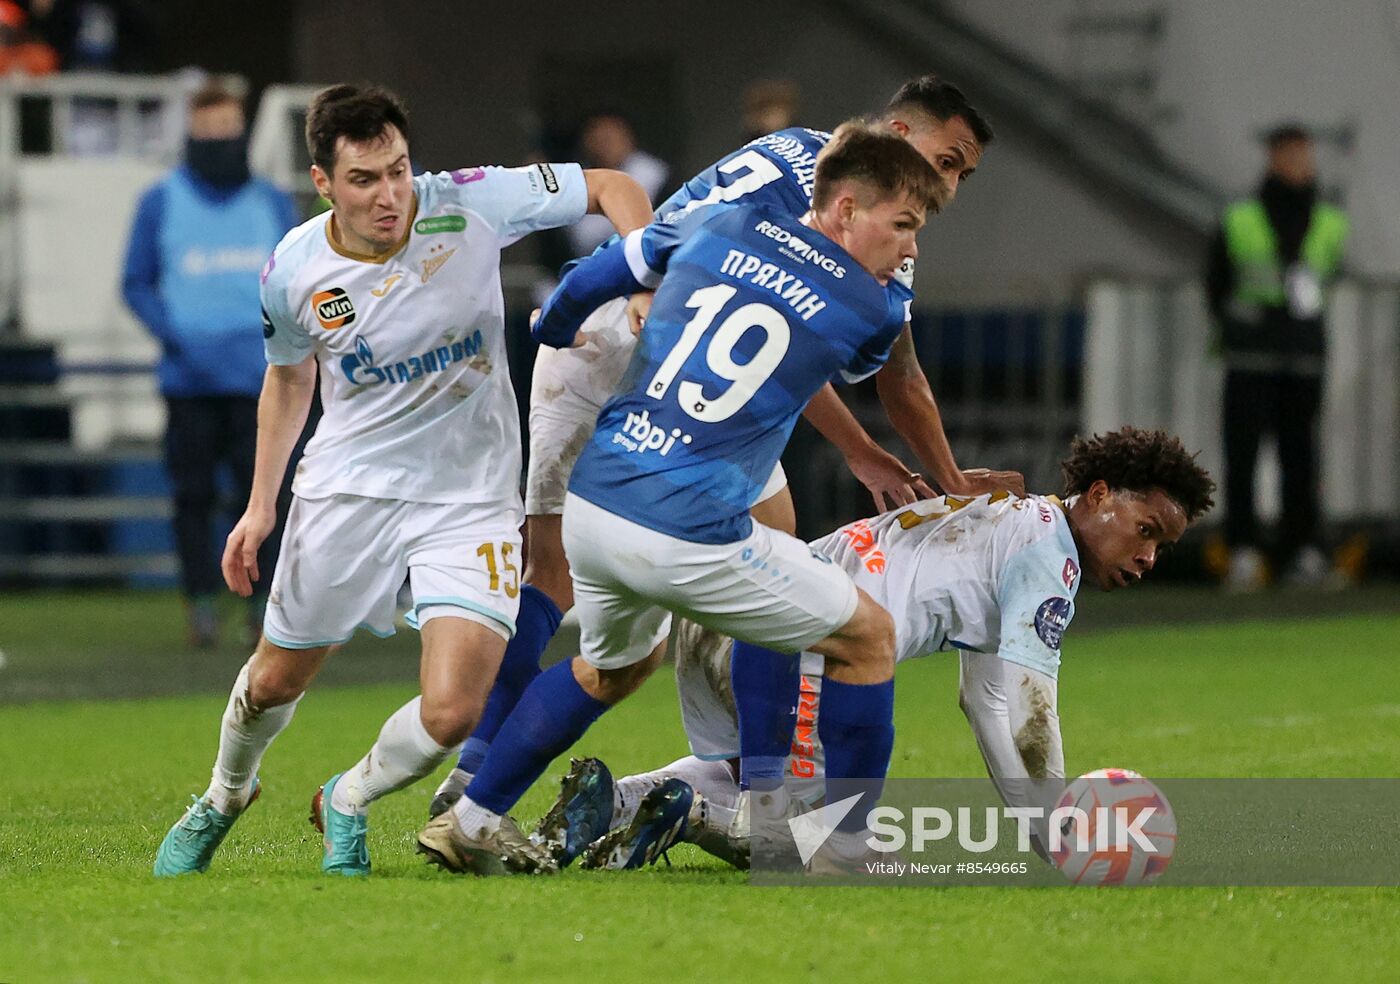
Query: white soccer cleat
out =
(484, 852)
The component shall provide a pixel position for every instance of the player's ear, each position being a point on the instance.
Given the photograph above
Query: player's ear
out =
(1098, 492)
(846, 207)
(322, 181)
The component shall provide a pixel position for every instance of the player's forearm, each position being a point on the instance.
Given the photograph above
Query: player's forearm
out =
(618, 197)
(834, 421)
(594, 281)
(909, 403)
(282, 408)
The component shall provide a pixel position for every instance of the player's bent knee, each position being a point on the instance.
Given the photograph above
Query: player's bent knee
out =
(864, 645)
(546, 566)
(450, 722)
(612, 685)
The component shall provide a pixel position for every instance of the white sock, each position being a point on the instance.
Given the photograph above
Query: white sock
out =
(713, 780)
(849, 845)
(244, 735)
(472, 817)
(404, 753)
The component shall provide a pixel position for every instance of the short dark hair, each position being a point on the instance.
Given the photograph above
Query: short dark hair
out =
(1286, 133)
(213, 93)
(359, 113)
(1140, 461)
(876, 156)
(942, 100)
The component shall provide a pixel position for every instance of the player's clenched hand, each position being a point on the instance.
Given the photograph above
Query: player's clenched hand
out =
(980, 481)
(887, 479)
(581, 338)
(638, 307)
(240, 563)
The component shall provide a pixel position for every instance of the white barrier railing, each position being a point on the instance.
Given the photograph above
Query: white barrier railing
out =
(1147, 362)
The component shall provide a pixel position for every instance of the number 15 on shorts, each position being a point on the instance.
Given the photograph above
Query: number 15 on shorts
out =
(495, 567)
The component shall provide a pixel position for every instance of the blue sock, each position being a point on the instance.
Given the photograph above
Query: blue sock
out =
(765, 697)
(856, 726)
(535, 625)
(550, 716)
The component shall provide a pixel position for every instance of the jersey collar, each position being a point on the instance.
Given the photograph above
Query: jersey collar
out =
(377, 258)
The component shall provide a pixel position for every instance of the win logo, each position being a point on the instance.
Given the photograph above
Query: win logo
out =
(333, 308)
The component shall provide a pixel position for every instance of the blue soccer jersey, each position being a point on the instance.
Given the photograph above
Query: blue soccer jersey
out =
(757, 312)
(775, 169)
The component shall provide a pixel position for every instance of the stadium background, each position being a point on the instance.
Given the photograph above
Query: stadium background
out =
(1059, 294)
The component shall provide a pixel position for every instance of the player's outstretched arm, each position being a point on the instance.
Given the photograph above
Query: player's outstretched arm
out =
(282, 408)
(1014, 717)
(878, 470)
(618, 197)
(908, 400)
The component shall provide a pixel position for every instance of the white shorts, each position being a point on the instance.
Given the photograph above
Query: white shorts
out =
(770, 589)
(345, 557)
(567, 391)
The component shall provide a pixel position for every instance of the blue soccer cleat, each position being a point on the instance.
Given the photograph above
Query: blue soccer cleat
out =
(581, 814)
(662, 820)
(189, 846)
(343, 834)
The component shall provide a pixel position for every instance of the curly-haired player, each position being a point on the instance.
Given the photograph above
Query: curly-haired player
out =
(993, 577)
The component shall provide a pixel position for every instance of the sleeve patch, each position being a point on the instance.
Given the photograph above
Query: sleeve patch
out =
(268, 328)
(1070, 574)
(1051, 620)
(551, 183)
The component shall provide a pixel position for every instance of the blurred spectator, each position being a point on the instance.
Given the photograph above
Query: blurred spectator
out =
(606, 140)
(97, 35)
(199, 238)
(769, 105)
(1267, 278)
(21, 50)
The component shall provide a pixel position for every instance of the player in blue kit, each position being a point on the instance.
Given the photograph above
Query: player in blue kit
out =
(758, 311)
(571, 385)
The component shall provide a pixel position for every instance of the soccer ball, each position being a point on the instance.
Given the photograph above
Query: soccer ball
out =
(1106, 844)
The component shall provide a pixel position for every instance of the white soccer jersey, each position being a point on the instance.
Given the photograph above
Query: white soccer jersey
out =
(417, 395)
(993, 574)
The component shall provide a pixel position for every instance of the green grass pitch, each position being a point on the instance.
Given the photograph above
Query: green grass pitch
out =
(88, 787)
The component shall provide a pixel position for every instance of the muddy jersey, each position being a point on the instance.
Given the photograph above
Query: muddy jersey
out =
(992, 574)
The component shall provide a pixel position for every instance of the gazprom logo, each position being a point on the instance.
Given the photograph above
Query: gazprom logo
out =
(360, 370)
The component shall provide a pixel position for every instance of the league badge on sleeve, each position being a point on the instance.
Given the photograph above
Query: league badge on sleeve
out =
(1051, 620)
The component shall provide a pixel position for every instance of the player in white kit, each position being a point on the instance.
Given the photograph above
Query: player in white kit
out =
(993, 577)
(396, 295)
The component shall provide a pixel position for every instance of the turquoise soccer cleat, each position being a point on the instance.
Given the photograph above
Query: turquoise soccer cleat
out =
(346, 852)
(189, 846)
